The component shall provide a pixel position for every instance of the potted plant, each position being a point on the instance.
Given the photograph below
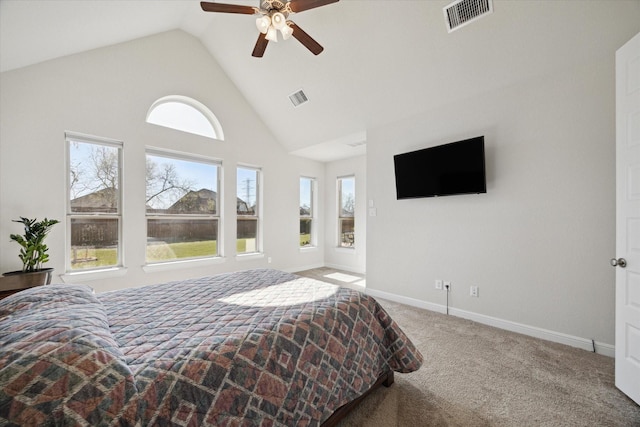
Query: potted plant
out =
(33, 252)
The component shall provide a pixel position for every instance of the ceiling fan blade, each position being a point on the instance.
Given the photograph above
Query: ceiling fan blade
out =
(227, 8)
(261, 46)
(305, 39)
(300, 5)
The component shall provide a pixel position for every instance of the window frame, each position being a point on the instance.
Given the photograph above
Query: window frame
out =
(71, 137)
(312, 212)
(218, 215)
(257, 216)
(341, 218)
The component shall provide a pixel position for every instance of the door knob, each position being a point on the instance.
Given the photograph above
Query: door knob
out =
(620, 262)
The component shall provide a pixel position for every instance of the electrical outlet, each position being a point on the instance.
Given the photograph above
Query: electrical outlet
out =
(439, 284)
(447, 286)
(473, 291)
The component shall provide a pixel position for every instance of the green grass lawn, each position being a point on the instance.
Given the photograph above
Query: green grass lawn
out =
(182, 250)
(92, 258)
(107, 257)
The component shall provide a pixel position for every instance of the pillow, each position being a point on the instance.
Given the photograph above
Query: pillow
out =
(39, 297)
(59, 362)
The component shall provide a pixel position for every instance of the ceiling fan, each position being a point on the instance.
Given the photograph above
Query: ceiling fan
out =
(273, 18)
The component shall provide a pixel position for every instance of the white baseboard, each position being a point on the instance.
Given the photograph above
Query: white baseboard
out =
(344, 268)
(545, 334)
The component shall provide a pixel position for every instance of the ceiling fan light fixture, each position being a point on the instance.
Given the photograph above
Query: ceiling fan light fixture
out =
(272, 34)
(278, 21)
(286, 31)
(271, 17)
(263, 24)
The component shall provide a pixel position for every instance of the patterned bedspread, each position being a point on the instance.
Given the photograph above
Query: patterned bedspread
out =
(59, 363)
(252, 348)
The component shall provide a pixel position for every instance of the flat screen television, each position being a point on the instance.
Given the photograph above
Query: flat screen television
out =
(443, 170)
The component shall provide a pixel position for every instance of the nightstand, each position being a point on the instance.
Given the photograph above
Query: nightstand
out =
(11, 284)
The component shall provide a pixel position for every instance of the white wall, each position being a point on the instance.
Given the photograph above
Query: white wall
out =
(538, 242)
(350, 259)
(107, 92)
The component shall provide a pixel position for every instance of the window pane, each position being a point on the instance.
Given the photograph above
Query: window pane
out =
(185, 114)
(171, 239)
(247, 210)
(94, 210)
(306, 197)
(306, 211)
(94, 243)
(247, 235)
(305, 231)
(247, 191)
(347, 197)
(347, 232)
(178, 187)
(183, 117)
(94, 173)
(347, 204)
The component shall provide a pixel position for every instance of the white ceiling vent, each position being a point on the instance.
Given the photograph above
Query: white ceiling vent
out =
(463, 12)
(298, 98)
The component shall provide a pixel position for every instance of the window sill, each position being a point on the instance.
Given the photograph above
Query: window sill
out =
(84, 276)
(248, 257)
(176, 265)
(310, 248)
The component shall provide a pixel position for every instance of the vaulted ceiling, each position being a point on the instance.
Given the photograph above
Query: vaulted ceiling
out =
(384, 60)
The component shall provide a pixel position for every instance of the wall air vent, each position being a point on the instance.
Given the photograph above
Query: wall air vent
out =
(463, 12)
(298, 98)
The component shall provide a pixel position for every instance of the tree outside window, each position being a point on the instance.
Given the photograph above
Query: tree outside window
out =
(182, 202)
(94, 209)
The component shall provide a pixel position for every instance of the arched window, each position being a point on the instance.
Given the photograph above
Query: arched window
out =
(185, 114)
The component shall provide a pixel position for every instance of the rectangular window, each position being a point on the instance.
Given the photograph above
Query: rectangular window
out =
(94, 208)
(248, 210)
(346, 210)
(182, 207)
(307, 208)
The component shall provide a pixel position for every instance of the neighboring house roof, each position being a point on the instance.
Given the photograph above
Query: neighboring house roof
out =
(104, 200)
(204, 201)
(200, 201)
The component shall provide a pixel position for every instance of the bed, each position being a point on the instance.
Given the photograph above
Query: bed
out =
(250, 348)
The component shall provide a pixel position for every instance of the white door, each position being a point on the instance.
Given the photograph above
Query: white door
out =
(627, 259)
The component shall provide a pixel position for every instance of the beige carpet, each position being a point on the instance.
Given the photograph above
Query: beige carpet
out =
(477, 375)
